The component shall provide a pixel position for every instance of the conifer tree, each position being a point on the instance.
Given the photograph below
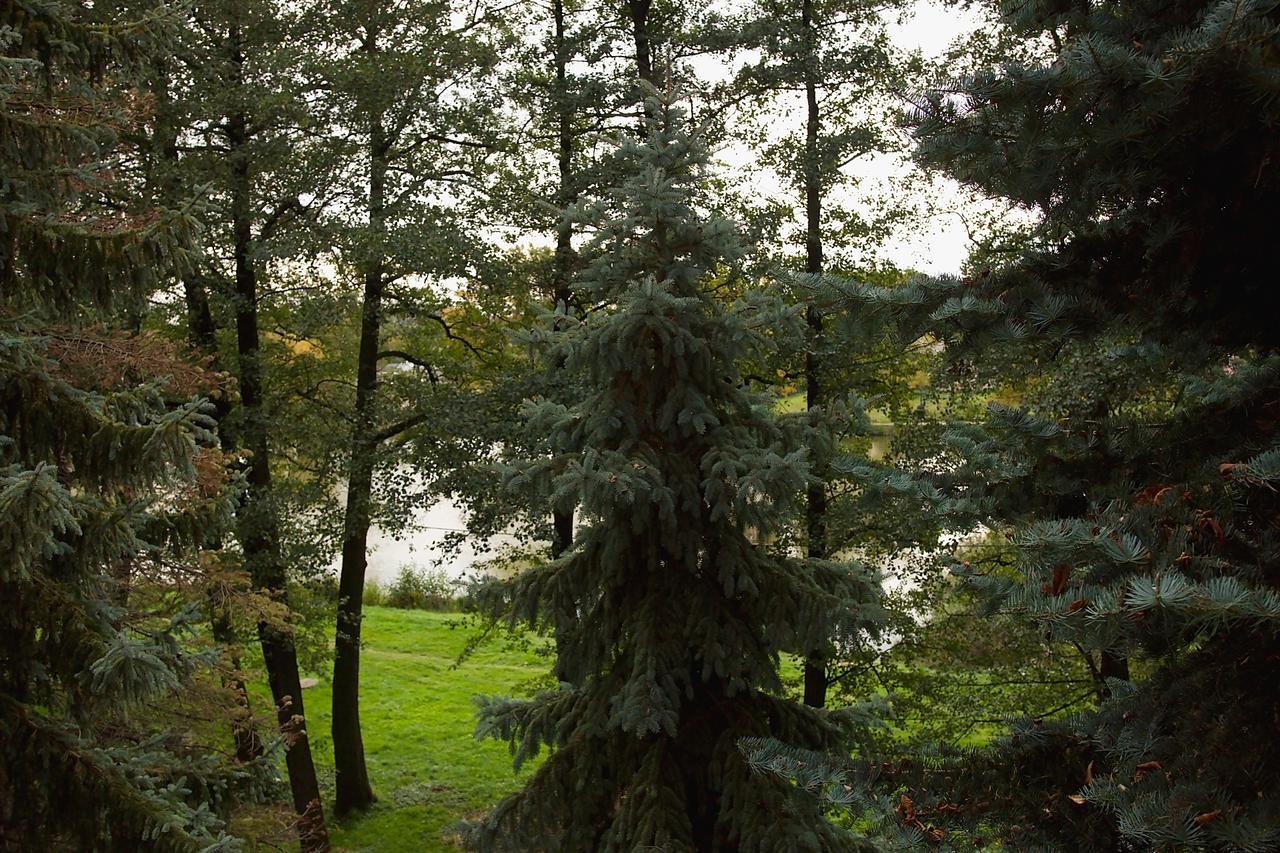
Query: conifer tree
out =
(1135, 478)
(106, 449)
(670, 610)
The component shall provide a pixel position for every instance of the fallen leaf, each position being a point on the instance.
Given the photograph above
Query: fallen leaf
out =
(1207, 817)
(1149, 495)
(1061, 574)
(907, 808)
(1213, 525)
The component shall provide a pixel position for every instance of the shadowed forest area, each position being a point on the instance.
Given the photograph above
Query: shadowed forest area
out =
(855, 423)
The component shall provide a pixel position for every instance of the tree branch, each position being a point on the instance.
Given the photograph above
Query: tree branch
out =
(412, 359)
(400, 426)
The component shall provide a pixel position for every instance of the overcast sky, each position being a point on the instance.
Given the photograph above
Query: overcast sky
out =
(942, 245)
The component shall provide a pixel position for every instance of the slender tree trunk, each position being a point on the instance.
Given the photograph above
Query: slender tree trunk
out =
(1114, 666)
(815, 666)
(243, 734)
(562, 262)
(351, 773)
(202, 334)
(257, 518)
(1110, 666)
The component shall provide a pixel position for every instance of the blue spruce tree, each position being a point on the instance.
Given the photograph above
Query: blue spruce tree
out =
(670, 610)
(105, 459)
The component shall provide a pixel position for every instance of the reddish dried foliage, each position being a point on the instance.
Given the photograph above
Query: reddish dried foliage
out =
(111, 361)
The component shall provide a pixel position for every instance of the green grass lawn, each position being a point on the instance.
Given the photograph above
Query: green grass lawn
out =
(417, 714)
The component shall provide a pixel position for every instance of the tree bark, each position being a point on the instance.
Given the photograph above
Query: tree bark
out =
(202, 333)
(563, 260)
(245, 737)
(257, 519)
(639, 10)
(815, 665)
(1111, 666)
(353, 790)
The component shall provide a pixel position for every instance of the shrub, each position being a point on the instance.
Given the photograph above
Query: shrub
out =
(421, 589)
(322, 587)
(375, 594)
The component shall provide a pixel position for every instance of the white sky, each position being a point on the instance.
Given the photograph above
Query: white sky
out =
(932, 27)
(937, 244)
(942, 244)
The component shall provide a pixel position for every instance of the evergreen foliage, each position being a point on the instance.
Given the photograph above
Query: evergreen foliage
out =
(1132, 475)
(104, 458)
(670, 610)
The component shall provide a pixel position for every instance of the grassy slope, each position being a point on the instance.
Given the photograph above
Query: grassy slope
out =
(417, 715)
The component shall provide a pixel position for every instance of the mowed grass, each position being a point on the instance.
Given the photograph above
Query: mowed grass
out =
(417, 713)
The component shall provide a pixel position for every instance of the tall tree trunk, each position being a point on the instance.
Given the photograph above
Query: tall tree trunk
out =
(1110, 664)
(562, 262)
(257, 518)
(639, 10)
(202, 334)
(815, 666)
(201, 331)
(351, 773)
(243, 734)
